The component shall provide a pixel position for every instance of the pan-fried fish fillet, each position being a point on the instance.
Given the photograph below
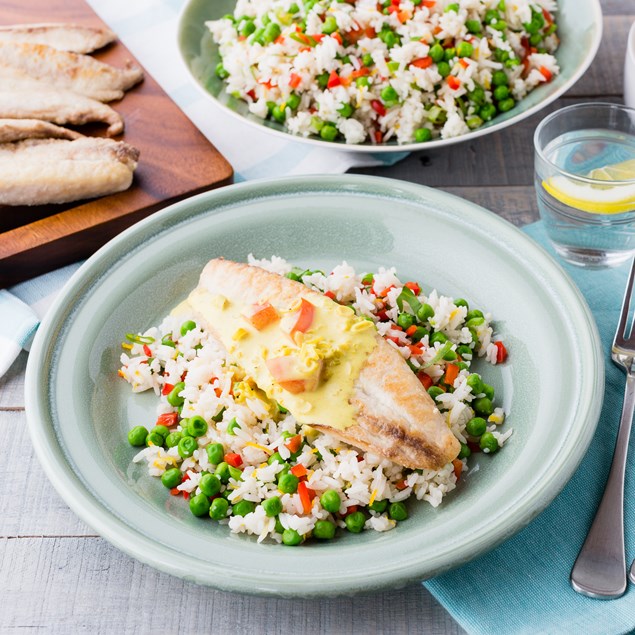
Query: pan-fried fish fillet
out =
(18, 129)
(65, 37)
(71, 71)
(394, 415)
(57, 106)
(34, 172)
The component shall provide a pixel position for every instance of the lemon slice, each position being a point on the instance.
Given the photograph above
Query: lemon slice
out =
(597, 199)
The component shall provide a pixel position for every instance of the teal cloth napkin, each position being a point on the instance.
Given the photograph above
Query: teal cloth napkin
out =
(523, 585)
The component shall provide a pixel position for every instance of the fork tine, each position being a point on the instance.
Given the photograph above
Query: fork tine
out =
(625, 327)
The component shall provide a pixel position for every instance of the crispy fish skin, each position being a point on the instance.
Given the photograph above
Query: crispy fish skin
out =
(18, 129)
(64, 37)
(71, 71)
(396, 418)
(58, 106)
(35, 172)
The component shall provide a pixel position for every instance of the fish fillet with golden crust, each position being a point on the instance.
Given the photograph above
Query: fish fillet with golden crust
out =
(395, 417)
(18, 129)
(38, 171)
(71, 71)
(64, 37)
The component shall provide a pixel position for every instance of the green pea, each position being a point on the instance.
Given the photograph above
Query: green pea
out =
(235, 473)
(535, 39)
(487, 112)
(222, 471)
(476, 426)
(243, 508)
(221, 71)
(279, 114)
(474, 322)
(436, 52)
(449, 54)
(506, 104)
(491, 15)
(275, 457)
(258, 36)
(391, 39)
(232, 426)
(425, 312)
(499, 78)
(419, 334)
(291, 537)
(324, 530)
(199, 505)
(288, 483)
(499, 25)
(187, 326)
(483, 406)
(215, 453)
(173, 439)
(443, 68)
(330, 501)
(174, 399)
(154, 438)
(461, 302)
(184, 432)
(473, 26)
(346, 110)
(477, 96)
(210, 484)
(488, 443)
(294, 8)
(473, 313)
(362, 81)
(475, 382)
(247, 28)
(389, 96)
(434, 392)
(186, 446)
(367, 59)
(488, 391)
(172, 477)
(442, 338)
(293, 101)
(322, 79)
(379, 506)
(405, 320)
(393, 67)
(355, 522)
(137, 436)
(330, 25)
(464, 350)
(452, 7)
(422, 135)
(218, 509)
(474, 122)
(272, 31)
(197, 426)
(162, 430)
(398, 511)
(464, 49)
(272, 506)
(450, 356)
(462, 366)
(328, 132)
(465, 451)
(501, 93)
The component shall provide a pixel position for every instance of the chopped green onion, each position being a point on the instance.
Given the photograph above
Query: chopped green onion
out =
(139, 339)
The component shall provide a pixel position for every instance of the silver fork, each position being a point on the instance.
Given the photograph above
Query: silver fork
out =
(600, 568)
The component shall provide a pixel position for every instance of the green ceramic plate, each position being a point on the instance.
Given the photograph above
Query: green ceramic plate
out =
(79, 410)
(579, 27)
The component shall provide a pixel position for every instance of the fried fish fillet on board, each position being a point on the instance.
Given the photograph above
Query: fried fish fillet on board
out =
(18, 129)
(34, 172)
(70, 71)
(64, 37)
(57, 106)
(395, 417)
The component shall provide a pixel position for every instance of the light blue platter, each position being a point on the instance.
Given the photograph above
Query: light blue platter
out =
(579, 29)
(79, 410)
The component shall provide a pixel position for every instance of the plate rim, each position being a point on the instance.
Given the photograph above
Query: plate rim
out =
(136, 544)
(598, 20)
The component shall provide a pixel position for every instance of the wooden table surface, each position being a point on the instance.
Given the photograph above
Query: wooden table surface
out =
(57, 575)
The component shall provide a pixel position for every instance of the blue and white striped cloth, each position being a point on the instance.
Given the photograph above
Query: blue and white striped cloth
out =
(148, 29)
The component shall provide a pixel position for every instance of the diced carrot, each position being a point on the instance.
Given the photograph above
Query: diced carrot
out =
(415, 349)
(546, 73)
(329, 294)
(235, 460)
(401, 485)
(167, 389)
(337, 37)
(393, 9)
(451, 373)
(346, 81)
(360, 73)
(306, 496)
(318, 36)
(501, 352)
(411, 330)
(396, 340)
(429, 3)
(168, 419)
(261, 315)
(413, 286)
(298, 470)
(458, 468)
(350, 510)
(404, 16)
(547, 16)
(279, 40)
(437, 29)
(422, 62)
(175, 492)
(454, 82)
(464, 63)
(426, 380)
(218, 392)
(385, 292)
(294, 80)
(294, 443)
(186, 495)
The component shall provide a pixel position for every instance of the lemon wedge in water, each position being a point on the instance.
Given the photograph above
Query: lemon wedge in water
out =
(598, 199)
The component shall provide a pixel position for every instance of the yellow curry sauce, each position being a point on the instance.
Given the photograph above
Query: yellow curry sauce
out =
(336, 345)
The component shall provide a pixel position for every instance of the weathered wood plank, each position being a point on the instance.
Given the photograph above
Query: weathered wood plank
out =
(12, 384)
(618, 7)
(85, 585)
(30, 506)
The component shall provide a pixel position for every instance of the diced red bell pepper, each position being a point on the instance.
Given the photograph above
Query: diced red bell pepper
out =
(330, 294)
(167, 389)
(233, 459)
(378, 107)
(454, 82)
(147, 351)
(334, 80)
(294, 80)
(426, 380)
(168, 419)
(298, 470)
(414, 287)
(501, 352)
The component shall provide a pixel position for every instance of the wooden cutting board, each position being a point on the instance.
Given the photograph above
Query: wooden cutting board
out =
(176, 161)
